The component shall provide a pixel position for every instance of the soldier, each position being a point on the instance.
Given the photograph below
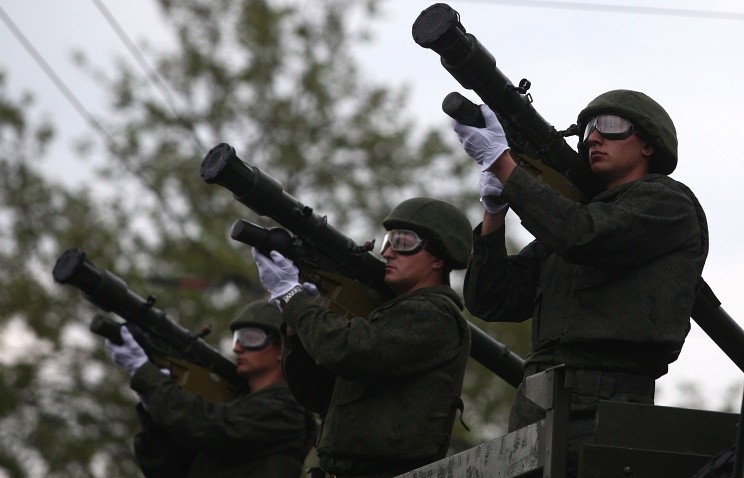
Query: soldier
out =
(259, 434)
(387, 385)
(609, 284)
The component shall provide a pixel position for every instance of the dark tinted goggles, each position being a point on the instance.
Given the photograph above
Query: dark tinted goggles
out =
(402, 241)
(252, 338)
(609, 126)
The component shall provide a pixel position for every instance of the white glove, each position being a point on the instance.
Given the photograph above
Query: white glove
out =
(484, 145)
(129, 356)
(490, 189)
(277, 274)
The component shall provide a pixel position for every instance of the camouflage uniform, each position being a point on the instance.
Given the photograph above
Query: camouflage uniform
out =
(609, 285)
(387, 386)
(258, 435)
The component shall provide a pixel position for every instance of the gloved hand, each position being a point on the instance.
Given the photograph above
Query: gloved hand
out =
(484, 145)
(129, 356)
(490, 189)
(277, 273)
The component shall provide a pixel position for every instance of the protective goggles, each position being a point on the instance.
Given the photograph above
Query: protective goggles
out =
(252, 338)
(609, 126)
(402, 241)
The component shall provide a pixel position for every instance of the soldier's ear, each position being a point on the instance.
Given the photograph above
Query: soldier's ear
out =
(648, 150)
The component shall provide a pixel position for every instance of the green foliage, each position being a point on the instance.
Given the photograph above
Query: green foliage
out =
(53, 397)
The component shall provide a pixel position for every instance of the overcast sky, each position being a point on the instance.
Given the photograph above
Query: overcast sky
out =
(692, 64)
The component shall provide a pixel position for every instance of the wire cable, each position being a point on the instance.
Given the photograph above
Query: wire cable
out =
(605, 8)
(150, 73)
(77, 104)
(92, 121)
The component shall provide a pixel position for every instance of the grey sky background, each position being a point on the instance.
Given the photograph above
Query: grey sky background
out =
(692, 64)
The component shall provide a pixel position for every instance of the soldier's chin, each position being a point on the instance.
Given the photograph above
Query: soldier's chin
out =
(397, 286)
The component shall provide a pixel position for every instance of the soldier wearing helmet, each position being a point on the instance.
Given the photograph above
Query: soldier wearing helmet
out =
(646, 118)
(263, 432)
(442, 225)
(609, 284)
(388, 385)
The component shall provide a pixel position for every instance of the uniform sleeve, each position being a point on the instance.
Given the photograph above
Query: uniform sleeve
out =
(643, 220)
(408, 336)
(310, 383)
(157, 453)
(498, 287)
(256, 423)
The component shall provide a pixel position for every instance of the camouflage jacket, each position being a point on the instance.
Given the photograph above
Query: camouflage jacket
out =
(609, 284)
(261, 434)
(387, 386)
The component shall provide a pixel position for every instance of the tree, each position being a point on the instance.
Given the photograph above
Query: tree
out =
(53, 397)
(278, 82)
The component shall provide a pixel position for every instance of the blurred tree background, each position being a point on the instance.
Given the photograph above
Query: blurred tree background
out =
(277, 81)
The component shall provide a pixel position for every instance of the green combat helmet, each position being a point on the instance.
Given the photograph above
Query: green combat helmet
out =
(446, 229)
(260, 313)
(651, 122)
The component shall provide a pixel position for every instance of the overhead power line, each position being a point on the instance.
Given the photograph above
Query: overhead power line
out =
(605, 8)
(77, 104)
(150, 73)
(92, 121)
